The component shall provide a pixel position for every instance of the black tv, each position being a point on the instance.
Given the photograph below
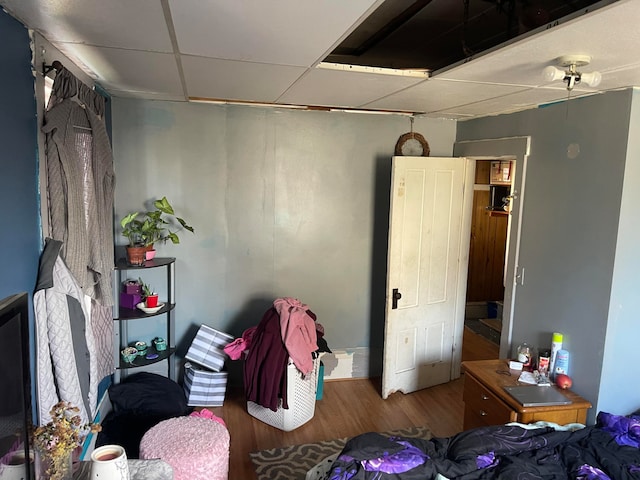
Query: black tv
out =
(15, 384)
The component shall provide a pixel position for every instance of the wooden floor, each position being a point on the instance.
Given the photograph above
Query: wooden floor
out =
(348, 407)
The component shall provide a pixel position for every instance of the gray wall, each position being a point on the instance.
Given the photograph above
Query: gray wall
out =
(284, 203)
(570, 233)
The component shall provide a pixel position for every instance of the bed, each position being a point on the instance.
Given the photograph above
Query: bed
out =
(607, 450)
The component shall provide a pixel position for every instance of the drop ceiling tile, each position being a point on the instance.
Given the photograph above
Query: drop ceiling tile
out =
(435, 95)
(521, 63)
(514, 102)
(129, 70)
(285, 32)
(138, 24)
(343, 88)
(231, 80)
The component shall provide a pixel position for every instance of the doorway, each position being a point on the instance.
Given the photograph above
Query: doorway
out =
(487, 256)
(516, 149)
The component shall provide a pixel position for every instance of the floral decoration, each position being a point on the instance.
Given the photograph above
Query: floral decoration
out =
(56, 440)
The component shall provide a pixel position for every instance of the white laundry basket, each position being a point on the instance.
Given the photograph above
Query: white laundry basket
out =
(301, 398)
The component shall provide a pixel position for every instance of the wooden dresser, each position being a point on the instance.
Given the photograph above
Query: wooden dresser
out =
(486, 403)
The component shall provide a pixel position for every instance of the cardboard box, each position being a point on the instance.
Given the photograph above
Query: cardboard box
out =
(129, 300)
(204, 388)
(207, 348)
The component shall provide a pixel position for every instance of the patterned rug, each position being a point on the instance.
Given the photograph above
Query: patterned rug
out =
(293, 463)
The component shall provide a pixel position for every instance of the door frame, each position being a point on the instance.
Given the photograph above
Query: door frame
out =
(512, 148)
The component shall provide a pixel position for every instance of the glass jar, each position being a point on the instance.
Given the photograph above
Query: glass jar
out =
(526, 355)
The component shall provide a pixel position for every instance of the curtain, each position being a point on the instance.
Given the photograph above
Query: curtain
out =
(80, 185)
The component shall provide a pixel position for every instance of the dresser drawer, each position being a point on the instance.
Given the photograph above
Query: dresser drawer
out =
(482, 407)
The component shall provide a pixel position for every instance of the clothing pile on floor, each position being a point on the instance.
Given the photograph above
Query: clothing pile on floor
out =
(288, 331)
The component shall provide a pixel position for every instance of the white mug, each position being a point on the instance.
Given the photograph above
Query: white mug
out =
(16, 467)
(109, 462)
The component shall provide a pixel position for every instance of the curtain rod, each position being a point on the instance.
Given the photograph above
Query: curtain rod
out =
(46, 69)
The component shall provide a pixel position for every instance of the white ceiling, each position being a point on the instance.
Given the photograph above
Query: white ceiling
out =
(267, 52)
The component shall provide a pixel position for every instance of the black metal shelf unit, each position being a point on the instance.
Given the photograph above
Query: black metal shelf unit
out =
(123, 315)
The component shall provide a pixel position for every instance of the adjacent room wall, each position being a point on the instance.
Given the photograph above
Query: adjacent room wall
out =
(20, 239)
(571, 217)
(284, 203)
(623, 326)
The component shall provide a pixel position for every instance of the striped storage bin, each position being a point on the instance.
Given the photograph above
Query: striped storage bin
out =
(204, 388)
(207, 348)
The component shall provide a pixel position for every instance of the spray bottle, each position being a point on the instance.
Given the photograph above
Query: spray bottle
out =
(556, 345)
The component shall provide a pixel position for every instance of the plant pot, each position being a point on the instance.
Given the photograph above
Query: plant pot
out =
(149, 254)
(135, 255)
(151, 301)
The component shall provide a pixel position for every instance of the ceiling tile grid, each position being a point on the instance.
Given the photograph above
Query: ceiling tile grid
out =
(257, 51)
(282, 32)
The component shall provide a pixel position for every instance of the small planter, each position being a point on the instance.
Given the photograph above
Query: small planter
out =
(160, 344)
(151, 301)
(136, 255)
(150, 254)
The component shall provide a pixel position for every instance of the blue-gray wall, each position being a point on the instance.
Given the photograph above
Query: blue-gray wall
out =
(284, 203)
(569, 243)
(20, 231)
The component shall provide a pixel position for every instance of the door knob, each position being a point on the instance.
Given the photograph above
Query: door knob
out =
(395, 296)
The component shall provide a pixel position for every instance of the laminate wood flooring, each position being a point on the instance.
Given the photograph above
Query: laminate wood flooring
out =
(348, 408)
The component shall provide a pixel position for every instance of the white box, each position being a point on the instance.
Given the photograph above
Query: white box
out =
(207, 348)
(301, 398)
(203, 387)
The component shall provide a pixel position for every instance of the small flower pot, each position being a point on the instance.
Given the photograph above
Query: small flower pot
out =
(150, 254)
(151, 301)
(135, 255)
(141, 347)
(129, 354)
(160, 344)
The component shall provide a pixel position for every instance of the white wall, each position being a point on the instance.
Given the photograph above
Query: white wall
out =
(622, 329)
(571, 223)
(284, 203)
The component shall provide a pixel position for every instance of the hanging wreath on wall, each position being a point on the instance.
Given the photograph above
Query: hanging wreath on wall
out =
(412, 144)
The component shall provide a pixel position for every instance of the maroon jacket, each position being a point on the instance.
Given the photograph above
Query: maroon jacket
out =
(265, 367)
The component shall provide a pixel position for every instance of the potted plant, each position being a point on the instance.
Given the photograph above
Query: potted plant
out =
(148, 295)
(132, 230)
(152, 227)
(157, 226)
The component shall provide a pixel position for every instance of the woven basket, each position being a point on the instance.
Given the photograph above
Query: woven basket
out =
(301, 397)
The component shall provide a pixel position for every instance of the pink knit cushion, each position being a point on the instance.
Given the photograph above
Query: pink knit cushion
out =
(197, 448)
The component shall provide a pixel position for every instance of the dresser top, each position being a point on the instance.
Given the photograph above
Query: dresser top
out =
(495, 374)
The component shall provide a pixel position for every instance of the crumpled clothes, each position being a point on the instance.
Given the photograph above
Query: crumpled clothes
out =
(239, 345)
(208, 414)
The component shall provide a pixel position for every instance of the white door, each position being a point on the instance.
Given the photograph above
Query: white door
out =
(426, 270)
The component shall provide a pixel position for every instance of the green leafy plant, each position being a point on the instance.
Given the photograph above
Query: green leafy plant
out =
(146, 289)
(153, 226)
(132, 229)
(156, 227)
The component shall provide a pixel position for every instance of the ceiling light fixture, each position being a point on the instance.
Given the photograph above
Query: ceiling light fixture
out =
(570, 73)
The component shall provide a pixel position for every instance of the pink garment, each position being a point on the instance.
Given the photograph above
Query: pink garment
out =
(205, 413)
(298, 331)
(239, 345)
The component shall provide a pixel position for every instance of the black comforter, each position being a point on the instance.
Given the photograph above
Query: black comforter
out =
(607, 450)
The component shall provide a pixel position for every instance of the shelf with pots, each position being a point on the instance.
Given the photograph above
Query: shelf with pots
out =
(130, 305)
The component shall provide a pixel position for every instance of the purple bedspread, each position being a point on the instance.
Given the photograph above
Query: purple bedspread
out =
(607, 450)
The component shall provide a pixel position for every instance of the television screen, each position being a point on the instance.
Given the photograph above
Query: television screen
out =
(15, 400)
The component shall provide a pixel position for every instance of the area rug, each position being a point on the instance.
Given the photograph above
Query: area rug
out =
(293, 463)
